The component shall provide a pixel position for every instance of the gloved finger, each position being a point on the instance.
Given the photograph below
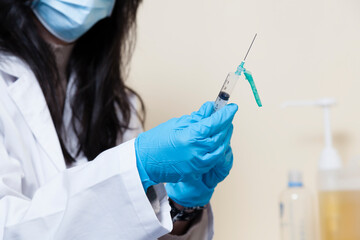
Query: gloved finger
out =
(222, 137)
(220, 171)
(212, 125)
(212, 158)
(209, 145)
(183, 121)
(205, 111)
(212, 143)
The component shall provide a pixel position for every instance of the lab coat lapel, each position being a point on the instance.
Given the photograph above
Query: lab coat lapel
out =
(28, 96)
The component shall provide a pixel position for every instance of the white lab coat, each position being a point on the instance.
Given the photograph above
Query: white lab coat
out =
(40, 198)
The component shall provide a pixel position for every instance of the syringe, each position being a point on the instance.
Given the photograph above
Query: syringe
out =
(230, 83)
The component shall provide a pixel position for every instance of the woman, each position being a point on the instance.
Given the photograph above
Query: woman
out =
(71, 163)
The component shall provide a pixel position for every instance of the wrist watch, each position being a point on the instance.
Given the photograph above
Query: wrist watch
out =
(184, 214)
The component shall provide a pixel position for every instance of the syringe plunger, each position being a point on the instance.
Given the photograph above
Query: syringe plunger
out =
(226, 91)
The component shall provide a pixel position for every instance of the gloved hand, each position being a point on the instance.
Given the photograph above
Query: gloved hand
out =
(199, 192)
(184, 148)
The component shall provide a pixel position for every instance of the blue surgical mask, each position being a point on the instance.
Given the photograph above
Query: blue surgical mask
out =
(68, 20)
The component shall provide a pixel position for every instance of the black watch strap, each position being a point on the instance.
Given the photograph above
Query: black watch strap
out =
(185, 214)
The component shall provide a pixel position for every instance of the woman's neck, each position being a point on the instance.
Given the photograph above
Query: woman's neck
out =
(62, 52)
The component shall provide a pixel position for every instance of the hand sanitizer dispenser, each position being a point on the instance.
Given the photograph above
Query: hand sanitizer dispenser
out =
(339, 186)
(329, 157)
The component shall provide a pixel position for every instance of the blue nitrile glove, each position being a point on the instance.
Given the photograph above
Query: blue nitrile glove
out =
(198, 192)
(184, 148)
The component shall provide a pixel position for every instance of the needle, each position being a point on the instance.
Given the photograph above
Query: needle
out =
(250, 46)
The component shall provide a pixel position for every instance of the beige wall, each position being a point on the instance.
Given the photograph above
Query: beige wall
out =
(305, 49)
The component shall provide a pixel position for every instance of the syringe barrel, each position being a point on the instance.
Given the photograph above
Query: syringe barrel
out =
(225, 91)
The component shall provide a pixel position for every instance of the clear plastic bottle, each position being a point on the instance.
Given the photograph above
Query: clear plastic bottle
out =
(296, 210)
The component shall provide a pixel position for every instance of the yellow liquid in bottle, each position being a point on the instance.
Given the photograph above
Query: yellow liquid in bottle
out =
(340, 215)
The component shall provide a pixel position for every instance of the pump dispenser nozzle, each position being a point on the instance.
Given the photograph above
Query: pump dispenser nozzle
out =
(329, 159)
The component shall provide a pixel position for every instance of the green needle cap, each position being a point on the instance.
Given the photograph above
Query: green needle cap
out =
(250, 79)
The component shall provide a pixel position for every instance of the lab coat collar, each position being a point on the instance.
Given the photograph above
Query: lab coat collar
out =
(29, 98)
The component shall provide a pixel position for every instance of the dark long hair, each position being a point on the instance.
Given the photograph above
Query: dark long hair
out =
(99, 61)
